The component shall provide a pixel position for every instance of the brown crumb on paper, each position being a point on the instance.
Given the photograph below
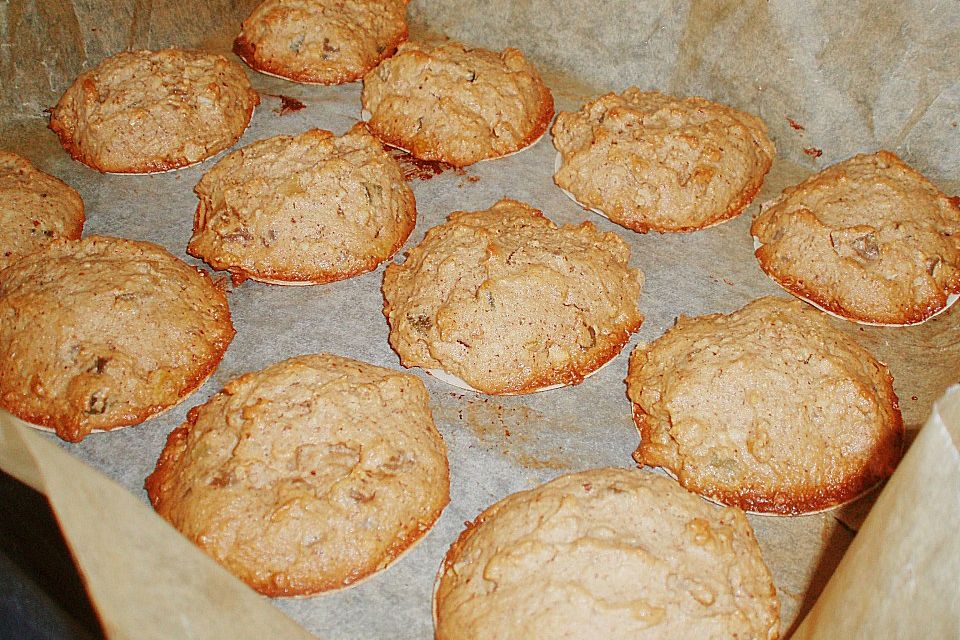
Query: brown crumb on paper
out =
(415, 168)
(287, 104)
(813, 152)
(796, 125)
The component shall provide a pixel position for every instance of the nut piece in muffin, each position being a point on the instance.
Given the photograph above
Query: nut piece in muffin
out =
(35, 208)
(152, 111)
(509, 303)
(104, 332)
(606, 553)
(457, 104)
(303, 209)
(869, 239)
(321, 41)
(653, 162)
(306, 476)
(770, 409)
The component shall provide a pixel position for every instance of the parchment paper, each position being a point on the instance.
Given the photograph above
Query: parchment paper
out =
(827, 80)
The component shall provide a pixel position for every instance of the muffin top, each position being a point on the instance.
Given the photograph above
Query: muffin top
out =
(321, 41)
(150, 111)
(456, 104)
(35, 208)
(104, 332)
(650, 161)
(606, 553)
(769, 408)
(869, 239)
(303, 209)
(306, 476)
(508, 302)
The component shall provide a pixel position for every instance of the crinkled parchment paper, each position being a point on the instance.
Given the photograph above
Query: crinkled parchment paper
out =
(829, 79)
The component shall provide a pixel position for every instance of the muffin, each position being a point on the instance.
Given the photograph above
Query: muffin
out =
(306, 476)
(770, 409)
(35, 208)
(653, 162)
(303, 209)
(104, 332)
(509, 303)
(321, 41)
(606, 553)
(151, 111)
(456, 104)
(869, 239)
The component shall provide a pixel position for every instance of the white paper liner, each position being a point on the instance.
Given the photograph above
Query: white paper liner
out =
(952, 298)
(781, 515)
(455, 381)
(306, 82)
(366, 115)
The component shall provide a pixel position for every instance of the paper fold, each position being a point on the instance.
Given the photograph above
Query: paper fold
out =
(898, 579)
(144, 580)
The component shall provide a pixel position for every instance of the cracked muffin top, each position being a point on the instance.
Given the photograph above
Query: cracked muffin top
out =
(653, 162)
(769, 408)
(606, 553)
(35, 208)
(457, 104)
(509, 303)
(151, 111)
(306, 476)
(303, 209)
(321, 41)
(104, 332)
(869, 239)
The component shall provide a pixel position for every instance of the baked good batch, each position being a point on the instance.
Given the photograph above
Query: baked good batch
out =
(653, 162)
(321, 41)
(303, 209)
(150, 111)
(456, 104)
(770, 409)
(306, 476)
(869, 239)
(35, 208)
(103, 332)
(606, 553)
(509, 303)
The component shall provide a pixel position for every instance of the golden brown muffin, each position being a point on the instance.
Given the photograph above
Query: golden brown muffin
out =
(770, 409)
(35, 208)
(151, 111)
(306, 476)
(509, 303)
(869, 239)
(321, 41)
(606, 553)
(649, 161)
(303, 209)
(457, 104)
(104, 332)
